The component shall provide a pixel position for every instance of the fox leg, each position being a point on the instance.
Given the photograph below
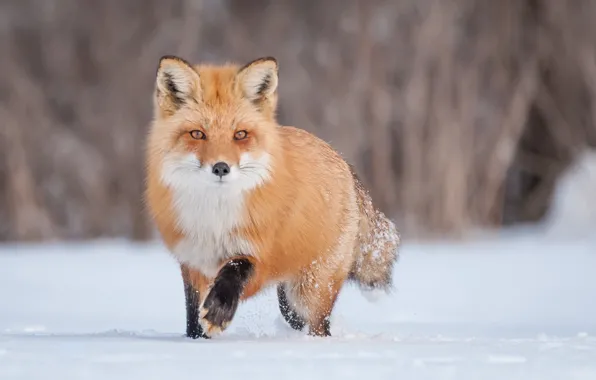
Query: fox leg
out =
(322, 299)
(288, 310)
(195, 284)
(221, 302)
(313, 297)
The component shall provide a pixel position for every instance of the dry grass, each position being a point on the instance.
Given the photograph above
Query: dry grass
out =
(457, 113)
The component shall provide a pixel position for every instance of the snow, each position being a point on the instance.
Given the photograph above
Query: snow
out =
(573, 211)
(520, 307)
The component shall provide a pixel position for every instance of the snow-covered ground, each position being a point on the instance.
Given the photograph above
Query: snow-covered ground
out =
(516, 308)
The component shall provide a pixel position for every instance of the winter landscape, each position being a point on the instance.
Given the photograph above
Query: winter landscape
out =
(472, 122)
(519, 305)
(520, 308)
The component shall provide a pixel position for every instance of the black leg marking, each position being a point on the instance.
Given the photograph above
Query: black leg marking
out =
(222, 301)
(326, 327)
(193, 328)
(290, 315)
(323, 330)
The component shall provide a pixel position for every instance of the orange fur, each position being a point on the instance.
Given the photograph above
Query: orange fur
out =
(304, 224)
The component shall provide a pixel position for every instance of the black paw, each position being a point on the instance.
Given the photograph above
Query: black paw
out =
(195, 332)
(221, 303)
(193, 328)
(290, 315)
(216, 313)
(322, 329)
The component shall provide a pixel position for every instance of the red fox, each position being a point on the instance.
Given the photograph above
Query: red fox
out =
(244, 203)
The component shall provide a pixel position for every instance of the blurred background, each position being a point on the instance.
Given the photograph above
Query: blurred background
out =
(458, 114)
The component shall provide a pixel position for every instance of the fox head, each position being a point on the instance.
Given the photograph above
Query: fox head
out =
(215, 125)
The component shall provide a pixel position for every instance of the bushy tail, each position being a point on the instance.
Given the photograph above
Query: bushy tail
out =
(377, 251)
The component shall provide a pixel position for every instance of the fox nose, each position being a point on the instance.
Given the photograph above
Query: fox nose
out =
(220, 169)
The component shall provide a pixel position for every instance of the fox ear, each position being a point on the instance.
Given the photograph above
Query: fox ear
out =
(177, 84)
(258, 79)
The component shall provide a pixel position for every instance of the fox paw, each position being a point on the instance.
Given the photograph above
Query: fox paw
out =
(217, 311)
(196, 332)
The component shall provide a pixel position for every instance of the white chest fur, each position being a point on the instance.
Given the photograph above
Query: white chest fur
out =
(208, 221)
(208, 214)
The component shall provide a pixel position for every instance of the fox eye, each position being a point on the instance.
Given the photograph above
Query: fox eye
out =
(197, 135)
(240, 135)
